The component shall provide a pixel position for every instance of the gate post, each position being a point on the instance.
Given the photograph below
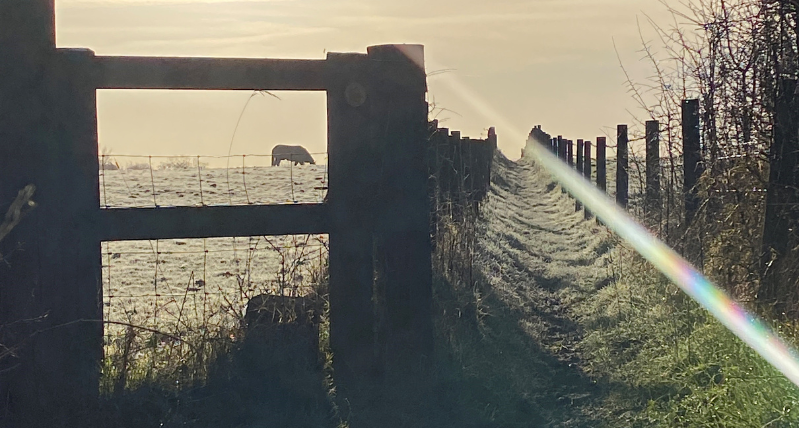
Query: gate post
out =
(402, 238)
(352, 163)
(50, 277)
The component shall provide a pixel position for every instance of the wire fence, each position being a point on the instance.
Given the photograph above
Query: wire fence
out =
(177, 286)
(133, 181)
(169, 284)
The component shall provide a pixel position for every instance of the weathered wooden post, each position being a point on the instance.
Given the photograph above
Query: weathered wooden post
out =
(352, 185)
(570, 153)
(782, 202)
(653, 202)
(622, 162)
(402, 241)
(562, 148)
(579, 167)
(587, 169)
(50, 278)
(492, 148)
(692, 157)
(601, 164)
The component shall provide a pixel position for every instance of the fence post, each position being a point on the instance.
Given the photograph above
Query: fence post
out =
(570, 153)
(601, 164)
(50, 303)
(587, 169)
(352, 159)
(692, 157)
(402, 239)
(653, 202)
(492, 148)
(622, 163)
(782, 202)
(580, 168)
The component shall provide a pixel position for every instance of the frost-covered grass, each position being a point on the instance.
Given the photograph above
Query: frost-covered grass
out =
(670, 363)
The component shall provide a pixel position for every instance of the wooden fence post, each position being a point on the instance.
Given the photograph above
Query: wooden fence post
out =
(622, 163)
(782, 203)
(580, 168)
(492, 142)
(653, 202)
(587, 169)
(352, 171)
(50, 302)
(51, 292)
(562, 148)
(601, 164)
(570, 153)
(692, 157)
(402, 240)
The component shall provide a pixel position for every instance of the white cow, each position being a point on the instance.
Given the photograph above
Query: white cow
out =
(296, 154)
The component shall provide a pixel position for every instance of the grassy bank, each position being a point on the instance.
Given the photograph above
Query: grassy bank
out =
(670, 364)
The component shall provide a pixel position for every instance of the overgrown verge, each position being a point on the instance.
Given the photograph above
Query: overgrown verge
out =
(228, 369)
(670, 364)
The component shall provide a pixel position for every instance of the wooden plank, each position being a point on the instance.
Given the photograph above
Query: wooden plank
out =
(119, 224)
(131, 72)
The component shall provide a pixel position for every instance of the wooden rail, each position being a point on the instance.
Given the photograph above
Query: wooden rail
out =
(135, 72)
(119, 224)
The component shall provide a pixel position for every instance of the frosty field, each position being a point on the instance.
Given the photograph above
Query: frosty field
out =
(171, 284)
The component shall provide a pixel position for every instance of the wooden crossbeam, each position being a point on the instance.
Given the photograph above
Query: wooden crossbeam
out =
(132, 72)
(120, 224)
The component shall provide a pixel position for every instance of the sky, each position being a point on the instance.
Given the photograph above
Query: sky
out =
(503, 63)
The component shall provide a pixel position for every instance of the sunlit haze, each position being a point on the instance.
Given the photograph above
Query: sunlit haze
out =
(549, 62)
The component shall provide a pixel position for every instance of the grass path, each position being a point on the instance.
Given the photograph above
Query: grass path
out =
(539, 258)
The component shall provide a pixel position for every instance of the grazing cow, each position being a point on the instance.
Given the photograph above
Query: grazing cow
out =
(296, 154)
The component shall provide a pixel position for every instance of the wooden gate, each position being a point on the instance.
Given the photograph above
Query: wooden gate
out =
(377, 214)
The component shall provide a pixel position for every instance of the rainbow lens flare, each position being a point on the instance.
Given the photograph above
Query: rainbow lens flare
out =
(748, 327)
(743, 324)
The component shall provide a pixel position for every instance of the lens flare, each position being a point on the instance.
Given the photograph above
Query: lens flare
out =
(746, 326)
